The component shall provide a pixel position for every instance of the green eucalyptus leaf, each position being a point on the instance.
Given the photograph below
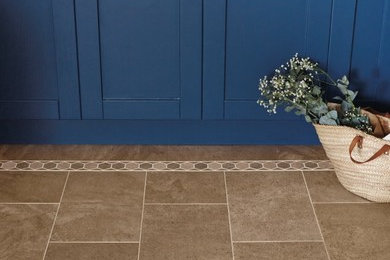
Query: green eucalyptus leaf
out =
(345, 80)
(342, 88)
(352, 94)
(320, 109)
(333, 114)
(308, 119)
(289, 108)
(325, 120)
(345, 106)
(300, 112)
(316, 90)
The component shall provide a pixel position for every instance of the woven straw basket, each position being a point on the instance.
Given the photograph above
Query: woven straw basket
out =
(361, 161)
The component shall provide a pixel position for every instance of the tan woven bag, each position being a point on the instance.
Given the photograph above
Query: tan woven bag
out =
(361, 161)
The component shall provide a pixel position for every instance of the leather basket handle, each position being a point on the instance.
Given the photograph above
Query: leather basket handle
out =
(358, 140)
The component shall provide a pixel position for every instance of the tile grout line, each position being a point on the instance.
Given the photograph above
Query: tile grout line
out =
(279, 241)
(315, 214)
(185, 204)
(142, 217)
(29, 203)
(55, 216)
(228, 209)
(94, 242)
(344, 202)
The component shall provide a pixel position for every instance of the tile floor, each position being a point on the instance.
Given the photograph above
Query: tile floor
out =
(300, 213)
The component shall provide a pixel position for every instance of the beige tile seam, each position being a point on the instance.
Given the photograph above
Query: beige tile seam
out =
(142, 216)
(94, 242)
(29, 203)
(55, 217)
(278, 241)
(344, 202)
(315, 215)
(184, 204)
(228, 209)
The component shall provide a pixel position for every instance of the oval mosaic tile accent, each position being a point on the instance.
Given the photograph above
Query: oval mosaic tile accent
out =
(261, 165)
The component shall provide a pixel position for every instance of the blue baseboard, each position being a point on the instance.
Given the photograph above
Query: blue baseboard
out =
(181, 132)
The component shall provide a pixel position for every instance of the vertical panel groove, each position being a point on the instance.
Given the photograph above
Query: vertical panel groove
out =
(77, 57)
(225, 58)
(100, 54)
(180, 63)
(330, 33)
(55, 51)
(382, 37)
(65, 39)
(201, 64)
(353, 38)
(307, 24)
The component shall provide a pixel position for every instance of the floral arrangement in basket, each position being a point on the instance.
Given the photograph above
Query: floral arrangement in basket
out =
(300, 85)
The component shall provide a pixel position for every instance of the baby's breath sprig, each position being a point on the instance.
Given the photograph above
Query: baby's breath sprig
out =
(298, 85)
(295, 84)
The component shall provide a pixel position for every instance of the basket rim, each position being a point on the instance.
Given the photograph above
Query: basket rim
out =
(357, 131)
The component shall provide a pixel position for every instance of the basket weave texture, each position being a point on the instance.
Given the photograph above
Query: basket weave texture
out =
(369, 180)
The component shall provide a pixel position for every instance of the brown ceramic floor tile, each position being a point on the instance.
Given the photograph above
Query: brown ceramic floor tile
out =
(24, 230)
(325, 187)
(280, 251)
(101, 206)
(356, 231)
(160, 152)
(185, 232)
(105, 187)
(268, 206)
(72, 251)
(80, 221)
(185, 187)
(31, 186)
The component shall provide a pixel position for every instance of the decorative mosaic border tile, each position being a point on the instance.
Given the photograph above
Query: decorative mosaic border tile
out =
(262, 165)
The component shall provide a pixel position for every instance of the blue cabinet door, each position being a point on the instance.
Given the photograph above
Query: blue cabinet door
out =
(38, 62)
(246, 39)
(140, 59)
(360, 48)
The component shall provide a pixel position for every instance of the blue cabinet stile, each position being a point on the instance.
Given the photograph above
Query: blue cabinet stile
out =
(176, 71)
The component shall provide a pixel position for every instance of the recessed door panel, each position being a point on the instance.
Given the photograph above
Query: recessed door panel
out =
(140, 43)
(38, 64)
(258, 37)
(140, 59)
(370, 65)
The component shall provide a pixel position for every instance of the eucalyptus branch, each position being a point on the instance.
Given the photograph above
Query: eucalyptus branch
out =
(299, 84)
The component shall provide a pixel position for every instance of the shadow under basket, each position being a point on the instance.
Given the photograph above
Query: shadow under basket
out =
(361, 161)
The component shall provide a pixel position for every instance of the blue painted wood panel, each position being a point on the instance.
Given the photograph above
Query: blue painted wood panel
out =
(38, 62)
(140, 52)
(359, 48)
(176, 71)
(142, 109)
(140, 43)
(86, 12)
(257, 36)
(28, 69)
(369, 52)
(214, 38)
(155, 132)
(27, 109)
(64, 30)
